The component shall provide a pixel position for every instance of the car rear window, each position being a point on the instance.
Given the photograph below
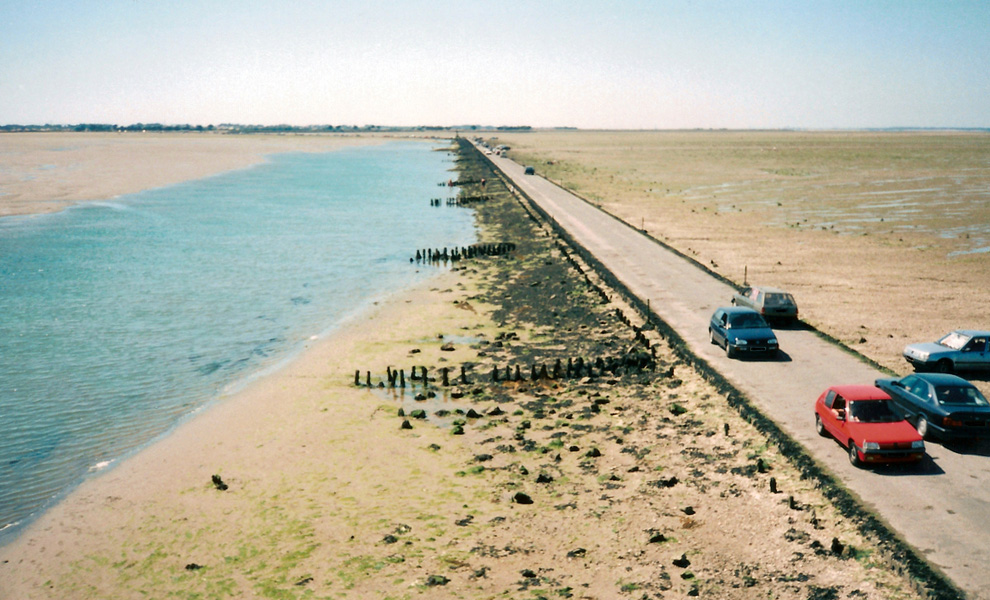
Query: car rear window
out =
(778, 300)
(957, 394)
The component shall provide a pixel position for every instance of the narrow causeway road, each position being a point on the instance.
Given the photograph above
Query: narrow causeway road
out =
(942, 508)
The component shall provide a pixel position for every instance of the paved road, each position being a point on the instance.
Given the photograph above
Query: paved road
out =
(942, 509)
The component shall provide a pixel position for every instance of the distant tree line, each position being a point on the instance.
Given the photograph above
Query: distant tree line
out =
(239, 128)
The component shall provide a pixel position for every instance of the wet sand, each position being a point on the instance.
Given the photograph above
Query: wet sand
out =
(46, 172)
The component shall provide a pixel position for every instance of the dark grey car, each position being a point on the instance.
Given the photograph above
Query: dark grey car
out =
(940, 405)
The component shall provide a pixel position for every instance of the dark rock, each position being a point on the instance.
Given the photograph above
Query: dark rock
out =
(521, 498)
(405, 424)
(435, 580)
(682, 562)
(837, 547)
(419, 413)
(544, 478)
(219, 484)
(193, 567)
(577, 553)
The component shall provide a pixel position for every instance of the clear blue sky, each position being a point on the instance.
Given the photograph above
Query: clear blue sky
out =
(622, 64)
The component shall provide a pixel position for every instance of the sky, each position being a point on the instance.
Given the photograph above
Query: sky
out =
(634, 64)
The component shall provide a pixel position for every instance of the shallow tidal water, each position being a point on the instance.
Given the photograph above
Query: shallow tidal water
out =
(118, 319)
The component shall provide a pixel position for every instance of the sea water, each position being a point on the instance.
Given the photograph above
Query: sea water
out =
(120, 318)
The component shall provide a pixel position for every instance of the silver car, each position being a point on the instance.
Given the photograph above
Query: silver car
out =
(961, 350)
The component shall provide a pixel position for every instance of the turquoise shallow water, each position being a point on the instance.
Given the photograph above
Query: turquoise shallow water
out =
(118, 319)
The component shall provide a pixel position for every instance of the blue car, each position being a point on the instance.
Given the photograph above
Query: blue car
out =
(940, 405)
(742, 331)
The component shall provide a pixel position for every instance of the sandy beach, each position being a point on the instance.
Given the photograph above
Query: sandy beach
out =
(639, 482)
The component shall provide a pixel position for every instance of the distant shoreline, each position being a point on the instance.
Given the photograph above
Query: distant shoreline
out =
(48, 172)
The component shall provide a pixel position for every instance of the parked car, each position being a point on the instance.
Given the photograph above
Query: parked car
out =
(961, 350)
(529, 171)
(742, 331)
(776, 306)
(861, 418)
(940, 405)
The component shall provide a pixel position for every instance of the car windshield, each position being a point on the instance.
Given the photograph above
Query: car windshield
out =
(954, 340)
(958, 394)
(872, 411)
(746, 321)
(778, 300)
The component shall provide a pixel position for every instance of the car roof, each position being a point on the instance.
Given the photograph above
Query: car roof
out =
(768, 289)
(860, 392)
(943, 379)
(972, 332)
(737, 310)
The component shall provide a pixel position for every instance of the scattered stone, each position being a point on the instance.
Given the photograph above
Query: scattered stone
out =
(577, 553)
(219, 484)
(688, 510)
(521, 498)
(304, 581)
(593, 453)
(682, 562)
(544, 478)
(837, 547)
(193, 567)
(448, 347)
(435, 580)
(405, 424)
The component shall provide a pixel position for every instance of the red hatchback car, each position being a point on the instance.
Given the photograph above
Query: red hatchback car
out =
(861, 418)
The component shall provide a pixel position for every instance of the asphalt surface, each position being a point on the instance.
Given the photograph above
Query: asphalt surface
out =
(941, 507)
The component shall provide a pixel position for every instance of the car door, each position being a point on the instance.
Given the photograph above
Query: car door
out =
(923, 398)
(834, 417)
(719, 325)
(973, 355)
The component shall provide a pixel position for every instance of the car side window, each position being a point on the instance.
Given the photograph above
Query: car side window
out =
(978, 344)
(920, 389)
(830, 398)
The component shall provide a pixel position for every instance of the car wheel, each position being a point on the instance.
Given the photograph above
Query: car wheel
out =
(820, 427)
(922, 426)
(944, 366)
(854, 455)
(711, 336)
(729, 352)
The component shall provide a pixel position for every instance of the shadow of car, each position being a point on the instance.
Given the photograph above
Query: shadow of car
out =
(742, 331)
(940, 405)
(861, 418)
(776, 305)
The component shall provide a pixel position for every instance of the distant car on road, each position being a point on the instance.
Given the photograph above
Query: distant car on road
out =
(529, 171)
(742, 331)
(776, 305)
(860, 417)
(940, 405)
(961, 350)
